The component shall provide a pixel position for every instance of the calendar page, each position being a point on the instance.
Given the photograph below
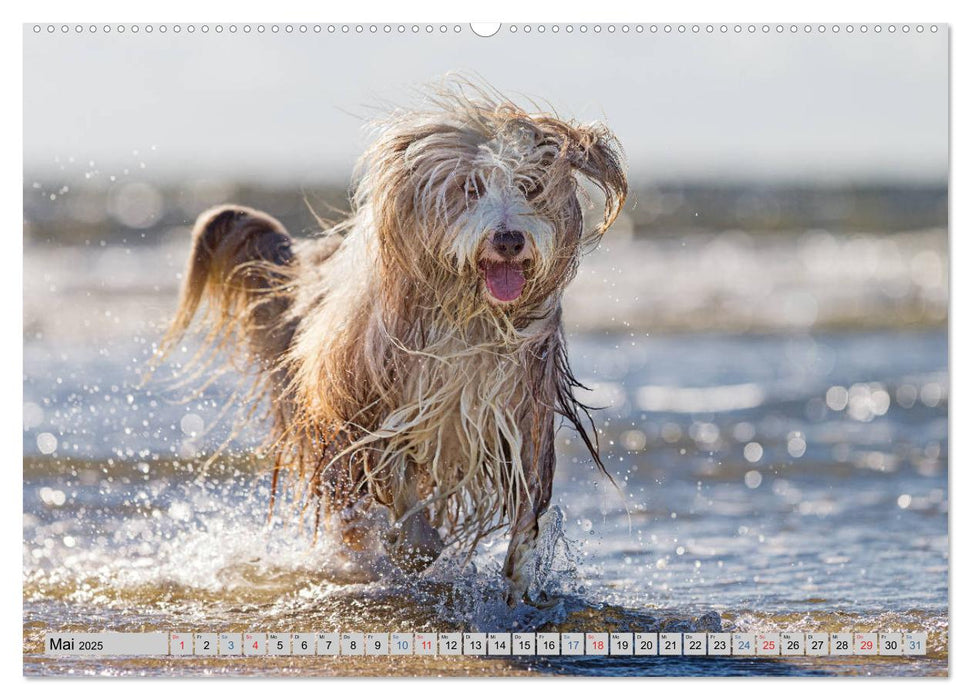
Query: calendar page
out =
(516, 349)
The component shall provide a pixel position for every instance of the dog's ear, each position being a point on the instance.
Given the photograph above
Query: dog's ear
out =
(399, 179)
(594, 153)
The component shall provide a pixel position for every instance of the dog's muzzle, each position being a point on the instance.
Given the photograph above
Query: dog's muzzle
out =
(502, 265)
(508, 244)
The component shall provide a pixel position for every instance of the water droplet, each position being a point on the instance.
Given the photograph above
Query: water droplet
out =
(753, 479)
(753, 452)
(192, 424)
(46, 443)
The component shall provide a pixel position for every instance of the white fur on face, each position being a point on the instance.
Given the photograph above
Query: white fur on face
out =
(495, 201)
(500, 208)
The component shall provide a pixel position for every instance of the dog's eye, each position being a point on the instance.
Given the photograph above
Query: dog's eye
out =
(532, 189)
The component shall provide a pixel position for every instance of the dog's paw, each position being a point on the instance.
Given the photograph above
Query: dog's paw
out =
(414, 544)
(356, 536)
(358, 526)
(543, 601)
(517, 592)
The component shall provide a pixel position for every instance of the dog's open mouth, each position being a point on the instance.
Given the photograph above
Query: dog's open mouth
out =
(504, 280)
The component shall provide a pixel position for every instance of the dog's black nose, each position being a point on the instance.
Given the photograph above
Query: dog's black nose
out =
(508, 244)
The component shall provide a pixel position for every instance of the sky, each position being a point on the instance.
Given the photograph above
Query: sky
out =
(292, 107)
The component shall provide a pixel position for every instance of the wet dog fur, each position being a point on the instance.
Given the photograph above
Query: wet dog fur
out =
(413, 354)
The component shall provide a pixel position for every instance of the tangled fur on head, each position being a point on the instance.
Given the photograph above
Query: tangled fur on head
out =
(414, 353)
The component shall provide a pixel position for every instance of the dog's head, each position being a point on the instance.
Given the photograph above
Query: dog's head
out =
(479, 197)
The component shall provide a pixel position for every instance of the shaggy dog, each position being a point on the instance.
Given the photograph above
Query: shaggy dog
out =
(413, 355)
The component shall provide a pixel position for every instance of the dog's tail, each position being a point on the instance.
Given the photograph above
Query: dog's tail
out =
(241, 268)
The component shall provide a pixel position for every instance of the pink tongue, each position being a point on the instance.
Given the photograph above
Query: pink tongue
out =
(505, 280)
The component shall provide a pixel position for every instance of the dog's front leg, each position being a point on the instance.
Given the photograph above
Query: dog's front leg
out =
(518, 566)
(534, 501)
(413, 543)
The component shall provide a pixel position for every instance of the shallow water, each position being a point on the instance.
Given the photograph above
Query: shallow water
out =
(790, 480)
(766, 483)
